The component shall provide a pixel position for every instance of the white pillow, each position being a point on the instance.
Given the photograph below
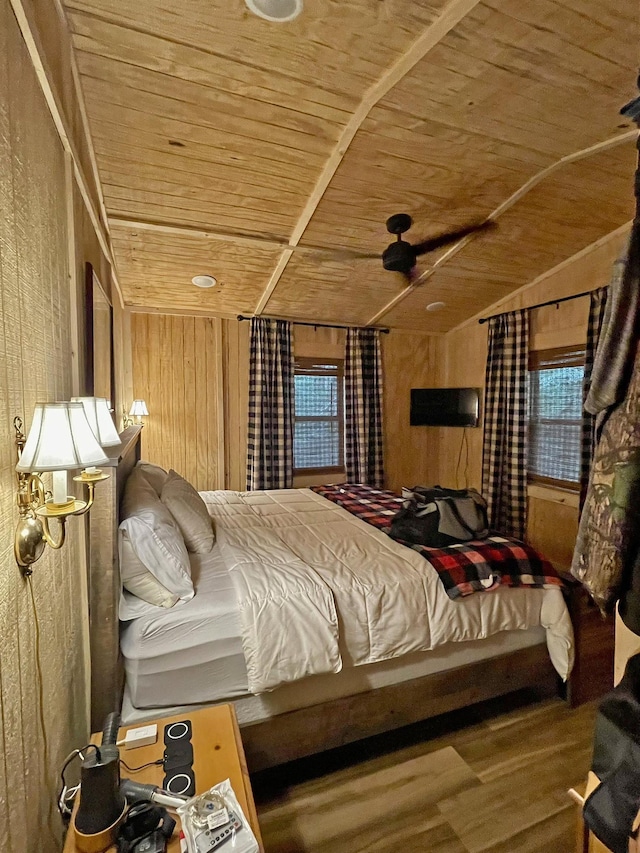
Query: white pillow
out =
(138, 580)
(190, 513)
(155, 475)
(156, 543)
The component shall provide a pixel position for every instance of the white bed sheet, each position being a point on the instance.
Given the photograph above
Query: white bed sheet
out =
(191, 652)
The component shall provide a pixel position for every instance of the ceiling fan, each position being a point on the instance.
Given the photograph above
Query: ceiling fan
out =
(401, 256)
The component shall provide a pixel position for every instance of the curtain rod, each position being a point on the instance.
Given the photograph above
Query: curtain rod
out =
(539, 305)
(384, 331)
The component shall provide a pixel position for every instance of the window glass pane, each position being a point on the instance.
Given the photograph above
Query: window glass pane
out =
(555, 413)
(316, 444)
(316, 395)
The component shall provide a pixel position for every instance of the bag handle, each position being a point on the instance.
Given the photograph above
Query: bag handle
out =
(451, 503)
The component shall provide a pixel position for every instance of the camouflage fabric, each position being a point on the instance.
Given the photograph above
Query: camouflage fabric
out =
(608, 544)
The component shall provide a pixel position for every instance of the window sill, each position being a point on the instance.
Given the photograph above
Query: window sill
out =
(554, 494)
(318, 477)
(312, 472)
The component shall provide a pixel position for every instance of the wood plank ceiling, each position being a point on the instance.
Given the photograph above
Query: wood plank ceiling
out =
(221, 139)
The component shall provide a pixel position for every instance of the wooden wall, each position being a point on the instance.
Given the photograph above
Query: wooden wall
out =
(36, 341)
(193, 373)
(410, 360)
(552, 523)
(49, 213)
(177, 370)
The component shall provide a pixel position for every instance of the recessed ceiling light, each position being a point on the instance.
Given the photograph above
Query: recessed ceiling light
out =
(436, 306)
(275, 10)
(204, 281)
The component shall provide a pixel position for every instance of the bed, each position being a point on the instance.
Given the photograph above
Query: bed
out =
(321, 629)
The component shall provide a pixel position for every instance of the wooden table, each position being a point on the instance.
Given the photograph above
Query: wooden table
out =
(217, 755)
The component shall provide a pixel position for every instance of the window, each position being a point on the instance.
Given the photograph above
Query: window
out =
(318, 420)
(555, 416)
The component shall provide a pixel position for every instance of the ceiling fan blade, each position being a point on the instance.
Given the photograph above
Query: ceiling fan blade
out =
(335, 254)
(448, 237)
(411, 275)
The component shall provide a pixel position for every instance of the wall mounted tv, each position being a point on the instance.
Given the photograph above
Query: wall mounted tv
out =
(458, 407)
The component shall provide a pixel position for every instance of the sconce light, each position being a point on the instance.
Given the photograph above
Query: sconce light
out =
(138, 408)
(60, 440)
(102, 426)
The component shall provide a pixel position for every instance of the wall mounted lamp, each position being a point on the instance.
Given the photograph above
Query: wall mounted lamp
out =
(99, 416)
(60, 440)
(138, 408)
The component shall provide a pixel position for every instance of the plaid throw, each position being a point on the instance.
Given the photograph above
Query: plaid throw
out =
(363, 407)
(504, 448)
(477, 566)
(270, 431)
(594, 327)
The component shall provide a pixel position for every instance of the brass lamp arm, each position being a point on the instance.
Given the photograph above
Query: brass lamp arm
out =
(51, 542)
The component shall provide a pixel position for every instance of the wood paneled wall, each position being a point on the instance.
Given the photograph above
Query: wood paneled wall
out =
(411, 453)
(177, 367)
(197, 420)
(193, 373)
(36, 341)
(552, 514)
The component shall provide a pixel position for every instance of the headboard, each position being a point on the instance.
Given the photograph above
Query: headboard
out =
(107, 672)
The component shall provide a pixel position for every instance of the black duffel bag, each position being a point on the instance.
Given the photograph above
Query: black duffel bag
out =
(438, 517)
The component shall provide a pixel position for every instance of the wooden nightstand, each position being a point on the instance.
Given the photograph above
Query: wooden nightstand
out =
(217, 755)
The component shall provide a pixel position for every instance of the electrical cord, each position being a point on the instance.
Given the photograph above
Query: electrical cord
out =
(464, 443)
(66, 795)
(45, 743)
(142, 766)
(465, 439)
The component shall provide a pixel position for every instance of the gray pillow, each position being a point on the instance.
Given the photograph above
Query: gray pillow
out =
(190, 513)
(154, 475)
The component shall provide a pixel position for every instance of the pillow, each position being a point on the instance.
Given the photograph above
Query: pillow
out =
(156, 543)
(190, 513)
(138, 580)
(154, 474)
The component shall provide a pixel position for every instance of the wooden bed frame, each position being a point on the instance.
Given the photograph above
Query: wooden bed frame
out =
(306, 731)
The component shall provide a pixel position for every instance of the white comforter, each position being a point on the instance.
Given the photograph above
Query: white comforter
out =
(317, 586)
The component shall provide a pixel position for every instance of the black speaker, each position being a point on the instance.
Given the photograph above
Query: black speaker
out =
(178, 759)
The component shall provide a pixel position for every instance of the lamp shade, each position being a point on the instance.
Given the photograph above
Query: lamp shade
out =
(97, 411)
(60, 439)
(138, 407)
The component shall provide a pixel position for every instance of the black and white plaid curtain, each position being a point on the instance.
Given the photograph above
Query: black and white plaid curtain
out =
(363, 407)
(504, 450)
(594, 327)
(271, 400)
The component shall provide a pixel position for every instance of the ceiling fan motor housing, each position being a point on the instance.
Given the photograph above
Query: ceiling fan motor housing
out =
(399, 257)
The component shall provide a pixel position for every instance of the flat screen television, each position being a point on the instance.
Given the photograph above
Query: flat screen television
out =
(458, 407)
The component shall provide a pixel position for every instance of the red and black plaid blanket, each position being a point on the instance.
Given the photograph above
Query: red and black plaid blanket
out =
(476, 566)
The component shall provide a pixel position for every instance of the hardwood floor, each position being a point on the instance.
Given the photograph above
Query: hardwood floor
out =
(490, 779)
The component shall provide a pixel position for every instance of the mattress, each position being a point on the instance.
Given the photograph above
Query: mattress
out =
(139, 692)
(191, 652)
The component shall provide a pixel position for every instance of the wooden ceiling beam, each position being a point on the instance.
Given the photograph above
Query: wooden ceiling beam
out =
(447, 20)
(453, 250)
